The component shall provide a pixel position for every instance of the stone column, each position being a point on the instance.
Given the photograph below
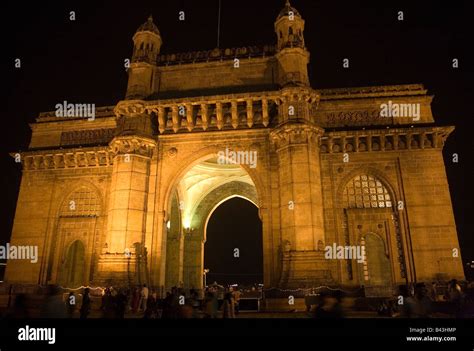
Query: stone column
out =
(249, 113)
(161, 119)
(189, 117)
(301, 204)
(265, 117)
(124, 260)
(204, 117)
(175, 118)
(235, 115)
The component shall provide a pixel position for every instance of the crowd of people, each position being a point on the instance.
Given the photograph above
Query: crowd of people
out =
(413, 301)
(137, 302)
(420, 301)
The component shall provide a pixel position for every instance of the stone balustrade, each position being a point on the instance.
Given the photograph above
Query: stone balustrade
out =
(65, 159)
(385, 140)
(214, 113)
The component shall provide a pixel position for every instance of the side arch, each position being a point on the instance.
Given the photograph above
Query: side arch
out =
(79, 216)
(355, 217)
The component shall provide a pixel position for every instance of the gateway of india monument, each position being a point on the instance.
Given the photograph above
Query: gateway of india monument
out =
(124, 198)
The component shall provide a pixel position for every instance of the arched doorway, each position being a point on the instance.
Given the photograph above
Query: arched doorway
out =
(377, 269)
(233, 251)
(370, 219)
(73, 266)
(79, 221)
(195, 196)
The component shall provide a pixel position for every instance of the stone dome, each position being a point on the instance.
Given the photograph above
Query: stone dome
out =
(149, 26)
(287, 9)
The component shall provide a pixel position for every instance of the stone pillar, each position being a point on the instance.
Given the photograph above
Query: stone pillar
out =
(204, 116)
(161, 119)
(249, 113)
(265, 117)
(189, 117)
(175, 117)
(235, 115)
(301, 204)
(124, 259)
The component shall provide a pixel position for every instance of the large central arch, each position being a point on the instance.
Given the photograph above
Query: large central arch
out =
(195, 195)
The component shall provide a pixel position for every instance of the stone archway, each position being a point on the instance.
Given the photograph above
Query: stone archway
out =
(197, 194)
(73, 267)
(377, 270)
(368, 208)
(79, 220)
(179, 159)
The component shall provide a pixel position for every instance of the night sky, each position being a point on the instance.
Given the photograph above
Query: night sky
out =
(243, 231)
(83, 61)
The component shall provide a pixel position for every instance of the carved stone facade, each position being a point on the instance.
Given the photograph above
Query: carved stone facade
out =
(329, 169)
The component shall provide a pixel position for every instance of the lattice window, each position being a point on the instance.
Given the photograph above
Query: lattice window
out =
(83, 202)
(365, 191)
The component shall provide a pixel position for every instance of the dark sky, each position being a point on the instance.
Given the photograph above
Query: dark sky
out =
(83, 61)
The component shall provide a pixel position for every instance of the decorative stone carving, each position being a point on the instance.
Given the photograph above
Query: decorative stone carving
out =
(295, 134)
(172, 152)
(85, 137)
(132, 145)
(129, 107)
(58, 159)
(216, 54)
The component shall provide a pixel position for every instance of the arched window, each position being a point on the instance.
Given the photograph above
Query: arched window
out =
(83, 202)
(290, 31)
(365, 191)
(281, 35)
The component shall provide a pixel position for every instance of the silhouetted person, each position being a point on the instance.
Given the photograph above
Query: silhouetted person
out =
(120, 304)
(151, 306)
(211, 305)
(228, 308)
(171, 305)
(422, 301)
(135, 300)
(54, 306)
(86, 304)
(71, 304)
(236, 295)
(406, 303)
(143, 297)
(434, 292)
(110, 309)
(456, 298)
(329, 306)
(18, 310)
